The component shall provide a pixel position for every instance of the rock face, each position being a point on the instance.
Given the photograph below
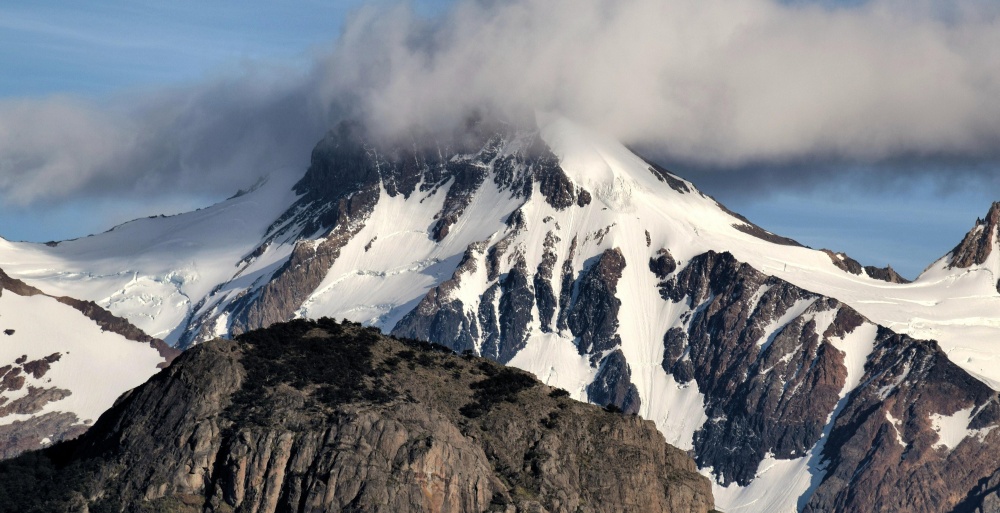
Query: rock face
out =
(919, 435)
(910, 432)
(593, 316)
(978, 243)
(769, 388)
(326, 417)
(848, 264)
(613, 384)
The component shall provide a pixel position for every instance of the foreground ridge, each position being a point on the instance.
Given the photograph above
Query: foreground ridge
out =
(321, 416)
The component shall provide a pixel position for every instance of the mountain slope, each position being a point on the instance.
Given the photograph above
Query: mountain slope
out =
(321, 416)
(559, 251)
(63, 362)
(154, 271)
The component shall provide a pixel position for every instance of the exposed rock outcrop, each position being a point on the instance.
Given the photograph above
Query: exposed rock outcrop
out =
(613, 384)
(917, 436)
(977, 245)
(593, 316)
(27, 435)
(886, 273)
(844, 262)
(327, 417)
(769, 386)
(848, 264)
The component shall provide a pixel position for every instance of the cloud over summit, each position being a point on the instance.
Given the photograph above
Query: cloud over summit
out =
(717, 83)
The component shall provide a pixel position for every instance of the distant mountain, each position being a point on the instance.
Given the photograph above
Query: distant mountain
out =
(799, 378)
(326, 417)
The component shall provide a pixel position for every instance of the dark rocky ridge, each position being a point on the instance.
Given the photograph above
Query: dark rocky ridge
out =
(870, 469)
(848, 264)
(844, 262)
(775, 398)
(750, 228)
(364, 423)
(886, 273)
(977, 245)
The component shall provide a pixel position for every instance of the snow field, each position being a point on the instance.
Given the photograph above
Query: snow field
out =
(96, 366)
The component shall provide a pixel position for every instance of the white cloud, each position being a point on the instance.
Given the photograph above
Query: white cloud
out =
(712, 82)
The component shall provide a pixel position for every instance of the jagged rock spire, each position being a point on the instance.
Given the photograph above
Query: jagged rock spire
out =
(978, 243)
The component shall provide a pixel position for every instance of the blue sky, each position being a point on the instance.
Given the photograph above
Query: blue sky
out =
(116, 65)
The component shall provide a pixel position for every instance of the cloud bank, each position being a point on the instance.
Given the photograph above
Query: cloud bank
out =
(716, 84)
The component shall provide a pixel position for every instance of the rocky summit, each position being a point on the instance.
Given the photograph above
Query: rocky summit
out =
(321, 416)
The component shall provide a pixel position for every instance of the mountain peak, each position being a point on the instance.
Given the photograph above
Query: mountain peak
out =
(977, 245)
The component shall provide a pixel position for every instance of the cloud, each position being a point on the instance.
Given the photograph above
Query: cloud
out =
(212, 137)
(717, 82)
(713, 84)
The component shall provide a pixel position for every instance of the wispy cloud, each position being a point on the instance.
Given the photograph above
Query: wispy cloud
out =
(713, 83)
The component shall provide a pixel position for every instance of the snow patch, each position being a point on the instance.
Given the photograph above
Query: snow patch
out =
(856, 346)
(774, 327)
(557, 363)
(897, 426)
(953, 429)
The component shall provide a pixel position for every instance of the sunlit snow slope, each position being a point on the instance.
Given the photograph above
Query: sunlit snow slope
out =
(59, 368)
(154, 271)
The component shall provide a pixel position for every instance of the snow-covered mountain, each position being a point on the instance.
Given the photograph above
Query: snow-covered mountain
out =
(63, 362)
(799, 378)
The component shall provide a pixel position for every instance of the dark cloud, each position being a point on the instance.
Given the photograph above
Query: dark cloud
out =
(887, 178)
(771, 92)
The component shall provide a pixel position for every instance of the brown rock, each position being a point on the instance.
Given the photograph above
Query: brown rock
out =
(359, 428)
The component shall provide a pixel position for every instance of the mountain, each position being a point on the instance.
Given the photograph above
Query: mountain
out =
(799, 378)
(63, 362)
(319, 416)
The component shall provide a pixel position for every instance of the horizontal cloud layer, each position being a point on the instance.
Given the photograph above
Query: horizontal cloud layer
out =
(714, 83)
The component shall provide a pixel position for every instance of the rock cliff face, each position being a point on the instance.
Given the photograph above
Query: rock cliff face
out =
(908, 432)
(978, 243)
(848, 264)
(326, 417)
(919, 435)
(766, 393)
